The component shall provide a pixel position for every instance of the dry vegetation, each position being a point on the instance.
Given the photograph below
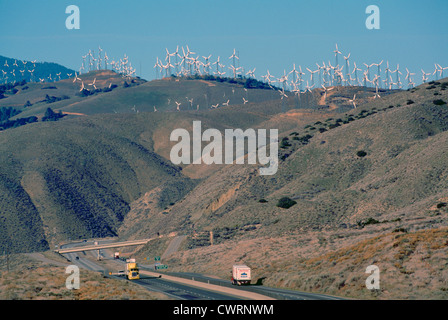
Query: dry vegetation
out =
(28, 279)
(412, 265)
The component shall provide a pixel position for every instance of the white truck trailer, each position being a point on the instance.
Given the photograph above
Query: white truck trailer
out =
(241, 274)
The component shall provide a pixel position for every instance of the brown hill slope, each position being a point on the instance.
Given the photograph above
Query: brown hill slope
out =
(369, 176)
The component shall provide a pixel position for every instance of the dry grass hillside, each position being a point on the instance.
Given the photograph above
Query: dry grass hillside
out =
(25, 278)
(370, 188)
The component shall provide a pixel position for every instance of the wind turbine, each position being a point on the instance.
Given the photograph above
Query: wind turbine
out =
(191, 102)
(319, 70)
(377, 95)
(379, 68)
(353, 101)
(294, 73)
(441, 70)
(347, 64)
(398, 72)
(387, 74)
(233, 56)
(106, 58)
(312, 75)
(251, 73)
(156, 66)
(217, 65)
(93, 83)
(168, 60)
(176, 64)
(178, 105)
(268, 79)
(282, 94)
(425, 76)
(183, 59)
(76, 78)
(31, 74)
(234, 70)
(355, 71)
(326, 91)
(189, 53)
(435, 70)
(336, 52)
(300, 74)
(409, 78)
(368, 70)
(207, 64)
(99, 58)
(308, 87)
(283, 79)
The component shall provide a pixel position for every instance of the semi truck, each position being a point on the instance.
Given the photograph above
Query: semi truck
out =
(132, 272)
(240, 275)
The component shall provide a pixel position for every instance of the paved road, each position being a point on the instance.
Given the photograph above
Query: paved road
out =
(182, 291)
(280, 294)
(172, 289)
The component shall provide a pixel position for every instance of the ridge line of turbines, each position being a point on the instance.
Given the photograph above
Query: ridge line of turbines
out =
(122, 66)
(89, 63)
(187, 63)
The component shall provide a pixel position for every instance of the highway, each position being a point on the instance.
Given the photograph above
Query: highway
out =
(276, 293)
(172, 289)
(182, 291)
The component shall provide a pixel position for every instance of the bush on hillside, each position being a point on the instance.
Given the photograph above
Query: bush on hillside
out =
(361, 153)
(8, 112)
(439, 102)
(285, 203)
(50, 115)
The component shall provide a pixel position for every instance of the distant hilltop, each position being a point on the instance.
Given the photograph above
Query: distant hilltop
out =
(16, 70)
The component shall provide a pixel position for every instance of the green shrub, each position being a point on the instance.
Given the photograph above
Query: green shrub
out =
(439, 102)
(367, 222)
(441, 205)
(285, 203)
(361, 153)
(284, 143)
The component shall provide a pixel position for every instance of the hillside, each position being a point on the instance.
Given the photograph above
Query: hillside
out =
(326, 175)
(16, 70)
(375, 173)
(76, 178)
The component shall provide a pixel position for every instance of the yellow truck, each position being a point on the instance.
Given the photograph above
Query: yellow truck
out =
(132, 272)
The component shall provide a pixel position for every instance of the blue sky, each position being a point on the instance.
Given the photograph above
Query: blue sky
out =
(268, 34)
